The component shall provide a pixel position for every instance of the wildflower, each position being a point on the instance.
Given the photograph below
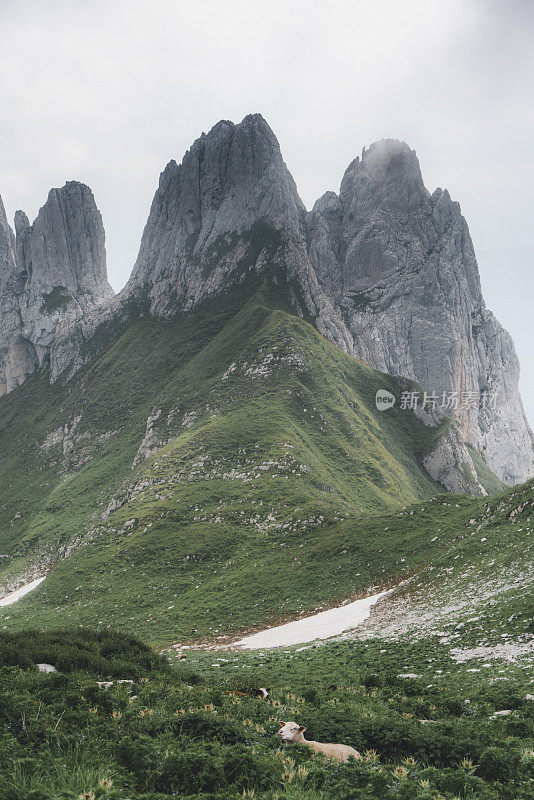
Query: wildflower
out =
(400, 772)
(370, 755)
(105, 784)
(424, 783)
(289, 762)
(248, 794)
(179, 711)
(410, 761)
(116, 715)
(302, 773)
(467, 763)
(146, 712)
(288, 775)
(93, 710)
(86, 796)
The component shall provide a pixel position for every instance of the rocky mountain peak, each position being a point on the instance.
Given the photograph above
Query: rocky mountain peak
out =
(65, 246)
(7, 243)
(381, 267)
(385, 269)
(390, 159)
(22, 223)
(387, 176)
(58, 272)
(229, 180)
(400, 264)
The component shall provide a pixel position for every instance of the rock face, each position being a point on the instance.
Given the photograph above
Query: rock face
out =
(53, 272)
(400, 264)
(229, 210)
(386, 270)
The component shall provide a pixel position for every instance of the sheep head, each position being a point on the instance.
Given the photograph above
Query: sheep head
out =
(291, 731)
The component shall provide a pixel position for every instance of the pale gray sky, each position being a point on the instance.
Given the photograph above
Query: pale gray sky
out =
(108, 91)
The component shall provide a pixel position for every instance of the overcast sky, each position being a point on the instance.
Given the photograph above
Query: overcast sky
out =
(108, 91)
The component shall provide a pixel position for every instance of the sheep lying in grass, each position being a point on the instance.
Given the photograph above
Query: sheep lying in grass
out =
(293, 732)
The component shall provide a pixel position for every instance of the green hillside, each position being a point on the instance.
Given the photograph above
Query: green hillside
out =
(427, 728)
(268, 449)
(479, 593)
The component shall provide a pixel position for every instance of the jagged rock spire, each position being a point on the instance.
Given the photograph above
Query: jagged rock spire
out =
(53, 270)
(400, 264)
(385, 269)
(229, 180)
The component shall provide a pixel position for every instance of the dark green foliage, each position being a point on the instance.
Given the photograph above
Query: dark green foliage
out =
(100, 652)
(63, 737)
(55, 300)
(499, 763)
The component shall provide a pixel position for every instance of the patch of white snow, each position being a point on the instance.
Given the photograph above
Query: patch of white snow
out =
(318, 626)
(12, 597)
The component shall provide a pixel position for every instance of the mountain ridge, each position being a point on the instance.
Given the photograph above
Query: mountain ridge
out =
(378, 269)
(201, 449)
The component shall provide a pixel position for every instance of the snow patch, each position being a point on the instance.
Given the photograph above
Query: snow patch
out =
(12, 597)
(318, 626)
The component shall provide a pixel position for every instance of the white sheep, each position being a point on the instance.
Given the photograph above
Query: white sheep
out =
(293, 732)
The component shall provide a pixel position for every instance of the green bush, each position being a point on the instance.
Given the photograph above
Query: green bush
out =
(100, 652)
(61, 735)
(498, 763)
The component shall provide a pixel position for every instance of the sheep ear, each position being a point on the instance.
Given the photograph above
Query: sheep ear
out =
(302, 728)
(281, 724)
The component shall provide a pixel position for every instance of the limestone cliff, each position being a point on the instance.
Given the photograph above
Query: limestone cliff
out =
(385, 270)
(53, 272)
(399, 264)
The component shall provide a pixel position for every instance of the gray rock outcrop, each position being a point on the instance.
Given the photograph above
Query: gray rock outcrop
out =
(51, 273)
(228, 211)
(399, 264)
(385, 270)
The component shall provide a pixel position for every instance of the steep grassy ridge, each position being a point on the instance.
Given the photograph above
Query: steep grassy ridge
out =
(267, 449)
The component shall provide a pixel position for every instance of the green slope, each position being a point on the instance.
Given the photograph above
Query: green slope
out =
(187, 732)
(267, 441)
(479, 593)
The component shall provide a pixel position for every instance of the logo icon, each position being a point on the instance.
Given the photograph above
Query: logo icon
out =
(384, 400)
